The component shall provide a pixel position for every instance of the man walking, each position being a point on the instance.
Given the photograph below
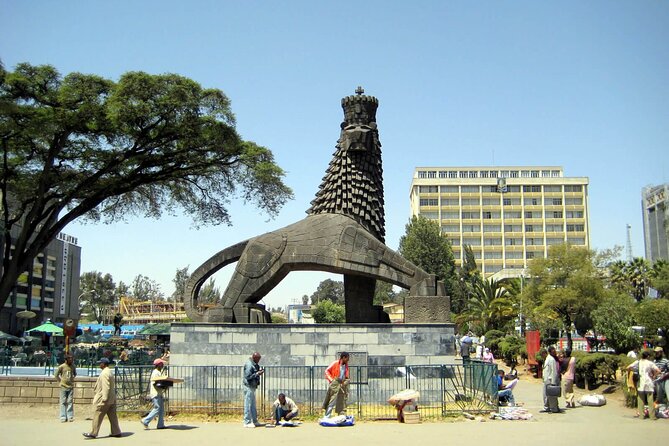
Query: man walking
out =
(661, 382)
(252, 373)
(65, 374)
(104, 402)
(157, 394)
(337, 375)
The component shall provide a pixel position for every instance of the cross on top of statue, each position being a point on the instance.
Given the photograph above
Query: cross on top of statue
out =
(359, 90)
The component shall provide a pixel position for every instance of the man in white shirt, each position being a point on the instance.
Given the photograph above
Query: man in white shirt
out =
(284, 408)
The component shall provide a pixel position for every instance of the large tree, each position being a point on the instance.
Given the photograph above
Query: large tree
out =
(489, 308)
(329, 289)
(427, 247)
(614, 318)
(180, 281)
(97, 295)
(84, 146)
(565, 285)
(144, 288)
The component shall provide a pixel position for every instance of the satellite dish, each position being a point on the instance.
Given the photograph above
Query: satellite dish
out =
(26, 314)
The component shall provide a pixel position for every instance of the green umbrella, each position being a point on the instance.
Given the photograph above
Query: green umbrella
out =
(48, 327)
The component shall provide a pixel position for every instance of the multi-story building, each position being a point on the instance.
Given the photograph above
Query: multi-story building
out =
(50, 289)
(654, 202)
(508, 215)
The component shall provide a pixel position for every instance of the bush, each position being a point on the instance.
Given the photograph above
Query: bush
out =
(492, 339)
(596, 368)
(510, 348)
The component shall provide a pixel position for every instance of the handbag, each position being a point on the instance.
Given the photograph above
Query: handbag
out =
(553, 390)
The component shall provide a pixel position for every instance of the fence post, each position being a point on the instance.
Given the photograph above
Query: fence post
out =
(214, 389)
(312, 391)
(442, 388)
(358, 381)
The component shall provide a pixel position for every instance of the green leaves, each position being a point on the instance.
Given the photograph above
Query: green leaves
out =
(88, 147)
(425, 246)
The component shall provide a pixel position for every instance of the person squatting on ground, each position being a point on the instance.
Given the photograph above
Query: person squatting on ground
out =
(157, 393)
(252, 373)
(104, 402)
(337, 375)
(504, 394)
(284, 408)
(647, 373)
(551, 377)
(569, 374)
(65, 374)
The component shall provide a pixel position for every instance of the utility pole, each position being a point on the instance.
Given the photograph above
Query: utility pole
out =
(628, 247)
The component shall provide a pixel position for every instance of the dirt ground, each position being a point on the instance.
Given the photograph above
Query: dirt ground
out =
(610, 425)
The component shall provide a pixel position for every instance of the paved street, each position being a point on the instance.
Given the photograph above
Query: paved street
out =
(609, 425)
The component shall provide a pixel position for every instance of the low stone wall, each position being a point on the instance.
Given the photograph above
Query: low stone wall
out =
(42, 390)
(312, 345)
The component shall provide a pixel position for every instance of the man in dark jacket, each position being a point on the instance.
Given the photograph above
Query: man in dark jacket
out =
(252, 372)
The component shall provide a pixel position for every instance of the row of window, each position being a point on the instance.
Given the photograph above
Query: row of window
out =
(489, 173)
(433, 189)
(454, 228)
(511, 201)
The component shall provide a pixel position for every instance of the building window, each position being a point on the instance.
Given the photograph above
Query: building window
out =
(552, 188)
(492, 241)
(512, 188)
(534, 174)
(574, 214)
(553, 214)
(573, 201)
(524, 173)
(422, 174)
(553, 201)
(493, 174)
(432, 174)
(471, 201)
(471, 241)
(512, 214)
(492, 228)
(449, 189)
(532, 188)
(484, 174)
(573, 188)
(450, 215)
(576, 241)
(554, 228)
(545, 173)
(428, 189)
(510, 241)
(470, 215)
(450, 228)
(555, 173)
(491, 202)
(442, 174)
(554, 241)
(471, 228)
(529, 255)
(463, 174)
(473, 174)
(470, 189)
(530, 214)
(512, 228)
(575, 228)
(513, 174)
(429, 202)
(529, 228)
(450, 202)
(513, 255)
(452, 174)
(531, 201)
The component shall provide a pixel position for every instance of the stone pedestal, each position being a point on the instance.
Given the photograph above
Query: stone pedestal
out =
(427, 309)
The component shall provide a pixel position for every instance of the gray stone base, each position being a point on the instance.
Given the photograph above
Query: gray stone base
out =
(312, 345)
(433, 309)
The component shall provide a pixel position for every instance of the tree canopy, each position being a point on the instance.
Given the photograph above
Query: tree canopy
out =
(328, 312)
(82, 146)
(427, 247)
(329, 289)
(98, 295)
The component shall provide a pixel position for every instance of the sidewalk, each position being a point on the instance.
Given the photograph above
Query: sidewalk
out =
(609, 425)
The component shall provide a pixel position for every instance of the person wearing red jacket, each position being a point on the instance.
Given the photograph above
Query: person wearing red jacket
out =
(337, 375)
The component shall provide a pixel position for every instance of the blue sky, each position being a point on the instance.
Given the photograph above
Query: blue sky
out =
(583, 85)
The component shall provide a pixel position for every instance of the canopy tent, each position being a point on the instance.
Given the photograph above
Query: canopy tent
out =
(7, 337)
(47, 327)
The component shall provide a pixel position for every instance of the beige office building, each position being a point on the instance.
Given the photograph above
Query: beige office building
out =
(508, 215)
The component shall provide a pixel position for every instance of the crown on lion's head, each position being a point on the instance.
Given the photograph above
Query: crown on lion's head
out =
(359, 108)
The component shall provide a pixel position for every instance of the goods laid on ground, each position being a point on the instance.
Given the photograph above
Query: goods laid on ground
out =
(338, 421)
(592, 399)
(511, 413)
(407, 407)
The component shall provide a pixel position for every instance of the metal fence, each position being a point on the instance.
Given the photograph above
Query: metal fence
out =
(444, 389)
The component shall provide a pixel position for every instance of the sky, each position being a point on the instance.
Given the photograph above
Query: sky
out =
(582, 85)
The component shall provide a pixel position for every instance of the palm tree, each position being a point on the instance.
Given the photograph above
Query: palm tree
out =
(489, 307)
(639, 271)
(618, 276)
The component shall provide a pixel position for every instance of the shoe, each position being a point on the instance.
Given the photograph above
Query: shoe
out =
(87, 435)
(544, 411)
(71, 420)
(250, 425)
(63, 421)
(256, 424)
(161, 427)
(146, 426)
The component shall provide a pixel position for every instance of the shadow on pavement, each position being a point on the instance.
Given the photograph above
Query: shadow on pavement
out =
(180, 427)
